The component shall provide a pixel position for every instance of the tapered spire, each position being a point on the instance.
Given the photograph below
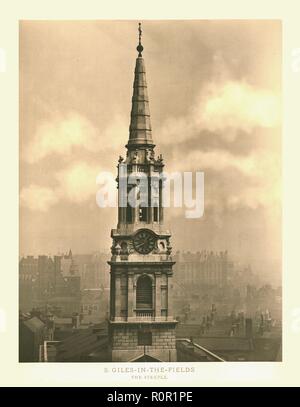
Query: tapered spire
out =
(140, 125)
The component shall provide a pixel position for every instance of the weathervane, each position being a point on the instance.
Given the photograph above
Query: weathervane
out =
(140, 47)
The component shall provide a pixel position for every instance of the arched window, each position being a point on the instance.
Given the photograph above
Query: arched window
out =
(144, 293)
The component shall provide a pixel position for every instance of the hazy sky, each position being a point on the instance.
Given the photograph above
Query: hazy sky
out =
(215, 95)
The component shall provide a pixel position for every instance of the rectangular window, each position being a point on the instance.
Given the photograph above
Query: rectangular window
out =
(155, 214)
(145, 338)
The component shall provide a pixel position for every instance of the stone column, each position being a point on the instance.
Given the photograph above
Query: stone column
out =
(122, 192)
(158, 295)
(154, 192)
(111, 299)
(135, 210)
(117, 296)
(170, 296)
(161, 210)
(150, 215)
(131, 300)
(134, 295)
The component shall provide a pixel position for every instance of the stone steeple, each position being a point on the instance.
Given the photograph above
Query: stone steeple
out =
(140, 125)
(141, 311)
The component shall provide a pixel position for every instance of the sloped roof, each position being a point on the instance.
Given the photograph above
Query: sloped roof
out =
(82, 343)
(34, 324)
(63, 320)
(224, 343)
(145, 358)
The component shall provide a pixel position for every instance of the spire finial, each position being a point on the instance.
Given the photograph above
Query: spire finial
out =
(140, 47)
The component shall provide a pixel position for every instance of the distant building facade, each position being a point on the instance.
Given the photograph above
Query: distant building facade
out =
(43, 283)
(205, 268)
(61, 293)
(93, 270)
(94, 302)
(28, 272)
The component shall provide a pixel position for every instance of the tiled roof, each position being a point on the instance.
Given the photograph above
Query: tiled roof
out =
(82, 343)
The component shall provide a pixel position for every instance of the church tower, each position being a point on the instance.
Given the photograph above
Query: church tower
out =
(141, 323)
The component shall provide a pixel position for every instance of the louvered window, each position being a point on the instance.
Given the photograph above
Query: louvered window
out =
(144, 293)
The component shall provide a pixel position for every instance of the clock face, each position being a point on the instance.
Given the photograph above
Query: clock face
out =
(144, 242)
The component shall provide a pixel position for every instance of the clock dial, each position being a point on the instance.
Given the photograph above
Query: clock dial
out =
(144, 242)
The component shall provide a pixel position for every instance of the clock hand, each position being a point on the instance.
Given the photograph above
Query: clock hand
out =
(139, 244)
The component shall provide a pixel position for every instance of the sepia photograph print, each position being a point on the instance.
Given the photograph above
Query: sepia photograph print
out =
(150, 191)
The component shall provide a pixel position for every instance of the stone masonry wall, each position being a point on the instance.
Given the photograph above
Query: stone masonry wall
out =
(127, 337)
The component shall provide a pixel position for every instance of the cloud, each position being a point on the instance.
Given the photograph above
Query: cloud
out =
(256, 164)
(115, 135)
(254, 197)
(38, 198)
(60, 136)
(63, 134)
(236, 105)
(244, 180)
(225, 108)
(231, 181)
(230, 110)
(77, 183)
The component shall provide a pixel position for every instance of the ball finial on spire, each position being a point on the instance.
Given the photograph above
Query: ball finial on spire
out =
(140, 47)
